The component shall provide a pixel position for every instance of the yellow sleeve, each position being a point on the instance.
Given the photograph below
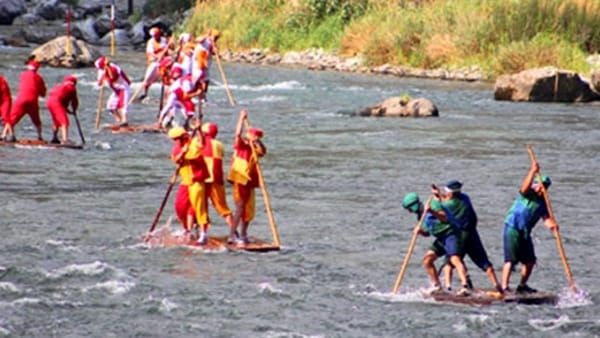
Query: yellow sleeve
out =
(194, 151)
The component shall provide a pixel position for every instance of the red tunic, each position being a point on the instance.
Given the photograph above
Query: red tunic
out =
(31, 86)
(5, 99)
(61, 97)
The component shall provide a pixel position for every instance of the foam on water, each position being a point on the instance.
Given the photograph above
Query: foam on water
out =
(89, 269)
(285, 85)
(568, 299)
(8, 286)
(167, 306)
(115, 287)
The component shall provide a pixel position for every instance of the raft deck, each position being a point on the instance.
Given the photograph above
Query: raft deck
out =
(37, 144)
(489, 297)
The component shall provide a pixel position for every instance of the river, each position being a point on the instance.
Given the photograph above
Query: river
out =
(73, 263)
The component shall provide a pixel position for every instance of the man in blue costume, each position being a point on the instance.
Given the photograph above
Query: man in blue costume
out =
(447, 241)
(525, 212)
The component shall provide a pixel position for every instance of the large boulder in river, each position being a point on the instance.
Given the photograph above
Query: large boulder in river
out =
(10, 9)
(54, 53)
(543, 85)
(399, 106)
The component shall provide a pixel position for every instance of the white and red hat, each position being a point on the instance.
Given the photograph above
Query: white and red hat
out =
(33, 65)
(154, 31)
(101, 62)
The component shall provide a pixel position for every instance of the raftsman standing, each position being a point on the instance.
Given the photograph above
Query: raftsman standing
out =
(60, 98)
(447, 240)
(215, 184)
(116, 78)
(243, 174)
(31, 88)
(520, 219)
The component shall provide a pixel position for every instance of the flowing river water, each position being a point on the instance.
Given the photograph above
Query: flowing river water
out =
(73, 263)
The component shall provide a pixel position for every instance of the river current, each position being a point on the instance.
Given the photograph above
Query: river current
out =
(73, 264)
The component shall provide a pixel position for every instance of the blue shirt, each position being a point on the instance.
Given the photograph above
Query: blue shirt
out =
(460, 212)
(525, 211)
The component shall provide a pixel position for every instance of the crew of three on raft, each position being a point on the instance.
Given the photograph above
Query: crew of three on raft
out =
(450, 218)
(182, 68)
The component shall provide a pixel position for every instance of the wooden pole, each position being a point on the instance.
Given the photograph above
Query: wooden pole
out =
(224, 78)
(99, 108)
(68, 45)
(410, 250)
(263, 189)
(559, 244)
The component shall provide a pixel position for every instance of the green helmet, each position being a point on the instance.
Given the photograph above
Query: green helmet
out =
(411, 201)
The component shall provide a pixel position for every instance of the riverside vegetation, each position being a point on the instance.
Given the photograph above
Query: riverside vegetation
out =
(497, 36)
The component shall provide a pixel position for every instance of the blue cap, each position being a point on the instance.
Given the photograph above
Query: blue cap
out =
(453, 186)
(545, 179)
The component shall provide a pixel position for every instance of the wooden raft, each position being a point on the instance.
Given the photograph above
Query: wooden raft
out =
(118, 129)
(37, 144)
(481, 297)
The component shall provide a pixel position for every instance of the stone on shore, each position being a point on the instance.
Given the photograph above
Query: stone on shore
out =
(54, 54)
(10, 9)
(400, 107)
(544, 85)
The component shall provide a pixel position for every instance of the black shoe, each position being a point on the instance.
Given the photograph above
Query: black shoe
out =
(54, 141)
(10, 138)
(124, 124)
(469, 283)
(524, 288)
(141, 97)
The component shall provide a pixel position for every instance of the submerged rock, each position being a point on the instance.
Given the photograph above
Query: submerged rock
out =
(398, 106)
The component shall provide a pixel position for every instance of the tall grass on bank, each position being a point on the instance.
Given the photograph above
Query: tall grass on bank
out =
(499, 36)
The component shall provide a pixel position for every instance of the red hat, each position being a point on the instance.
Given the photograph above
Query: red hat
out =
(256, 132)
(70, 78)
(33, 65)
(101, 62)
(166, 62)
(176, 71)
(210, 129)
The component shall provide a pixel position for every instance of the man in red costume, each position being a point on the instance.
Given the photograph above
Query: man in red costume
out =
(243, 174)
(115, 77)
(215, 184)
(190, 202)
(31, 87)
(5, 99)
(157, 48)
(61, 97)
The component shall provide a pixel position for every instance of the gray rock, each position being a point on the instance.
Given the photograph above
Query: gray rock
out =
(137, 34)
(27, 19)
(10, 9)
(50, 10)
(41, 34)
(84, 30)
(102, 24)
(54, 53)
(398, 107)
(121, 38)
(543, 85)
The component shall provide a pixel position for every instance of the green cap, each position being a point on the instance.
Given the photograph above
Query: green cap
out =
(411, 201)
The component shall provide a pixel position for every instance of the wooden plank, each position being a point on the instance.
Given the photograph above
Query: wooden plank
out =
(214, 243)
(37, 144)
(150, 128)
(481, 297)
